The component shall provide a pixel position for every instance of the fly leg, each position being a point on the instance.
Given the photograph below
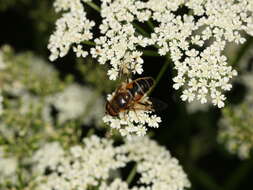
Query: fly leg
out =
(144, 106)
(138, 106)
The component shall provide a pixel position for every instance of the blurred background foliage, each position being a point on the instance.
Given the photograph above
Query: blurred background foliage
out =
(199, 136)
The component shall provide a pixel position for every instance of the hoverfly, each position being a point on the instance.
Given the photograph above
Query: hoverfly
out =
(128, 96)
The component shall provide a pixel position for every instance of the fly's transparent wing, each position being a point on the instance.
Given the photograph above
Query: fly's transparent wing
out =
(158, 105)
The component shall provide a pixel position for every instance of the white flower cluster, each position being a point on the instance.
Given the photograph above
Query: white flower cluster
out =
(155, 165)
(133, 121)
(74, 102)
(83, 166)
(157, 168)
(203, 74)
(39, 64)
(236, 130)
(8, 168)
(236, 125)
(72, 28)
(54, 153)
(96, 163)
(194, 41)
(119, 40)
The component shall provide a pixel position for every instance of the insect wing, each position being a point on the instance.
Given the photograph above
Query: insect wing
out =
(158, 105)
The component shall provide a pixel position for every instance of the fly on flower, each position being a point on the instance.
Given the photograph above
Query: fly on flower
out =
(130, 110)
(131, 96)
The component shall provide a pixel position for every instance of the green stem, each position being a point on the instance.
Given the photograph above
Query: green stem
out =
(150, 24)
(86, 42)
(131, 175)
(150, 53)
(161, 73)
(141, 30)
(94, 6)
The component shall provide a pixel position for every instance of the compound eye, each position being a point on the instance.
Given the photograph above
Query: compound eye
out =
(123, 102)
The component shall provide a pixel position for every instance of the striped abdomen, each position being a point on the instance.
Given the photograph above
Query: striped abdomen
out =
(127, 95)
(139, 87)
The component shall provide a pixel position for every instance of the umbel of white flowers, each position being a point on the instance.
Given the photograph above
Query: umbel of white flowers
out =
(71, 105)
(204, 75)
(236, 124)
(98, 164)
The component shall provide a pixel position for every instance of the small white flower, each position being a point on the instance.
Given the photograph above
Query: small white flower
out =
(188, 95)
(197, 40)
(223, 83)
(153, 121)
(218, 99)
(179, 81)
(202, 96)
(193, 83)
(138, 68)
(113, 74)
(141, 131)
(79, 51)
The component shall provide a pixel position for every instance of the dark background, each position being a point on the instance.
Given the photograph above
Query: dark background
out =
(192, 138)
